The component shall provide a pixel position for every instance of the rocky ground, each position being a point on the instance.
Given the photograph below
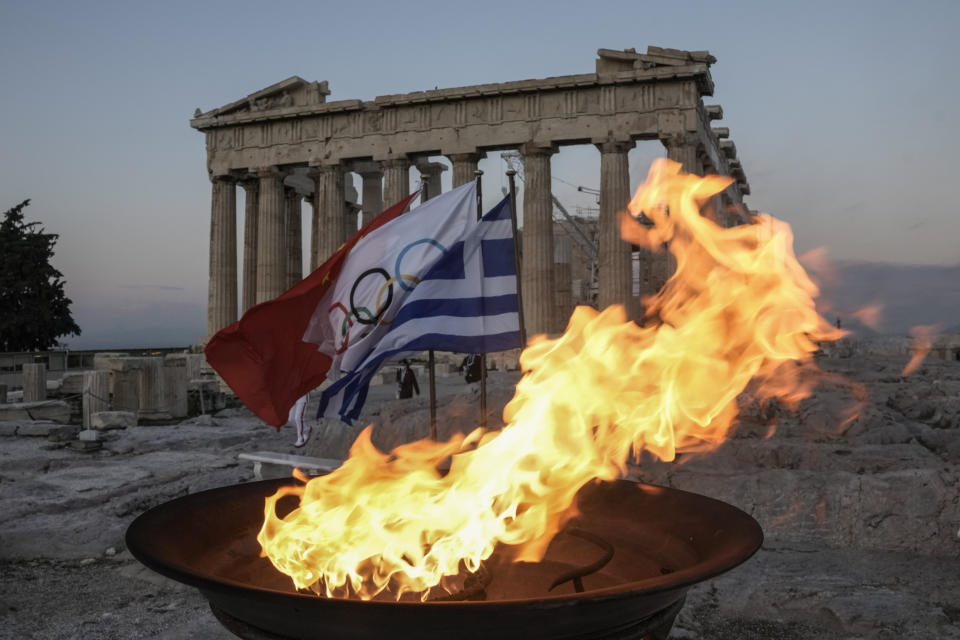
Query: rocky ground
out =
(862, 520)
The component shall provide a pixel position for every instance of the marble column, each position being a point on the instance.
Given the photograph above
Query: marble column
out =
(432, 175)
(328, 218)
(396, 180)
(372, 193)
(426, 187)
(34, 382)
(350, 216)
(125, 382)
(657, 268)
(176, 384)
(683, 148)
(537, 267)
(464, 166)
(294, 227)
(563, 276)
(435, 179)
(271, 240)
(95, 395)
(350, 207)
(251, 189)
(615, 270)
(222, 291)
(150, 390)
(314, 228)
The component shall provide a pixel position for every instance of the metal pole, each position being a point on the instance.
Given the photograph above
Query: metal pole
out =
(483, 356)
(511, 174)
(433, 395)
(431, 366)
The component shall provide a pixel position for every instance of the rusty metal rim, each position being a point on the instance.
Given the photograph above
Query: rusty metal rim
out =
(140, 530)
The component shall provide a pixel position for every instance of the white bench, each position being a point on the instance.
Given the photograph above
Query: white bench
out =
(267, 464)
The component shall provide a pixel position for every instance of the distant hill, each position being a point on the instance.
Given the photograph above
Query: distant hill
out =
(910, 294)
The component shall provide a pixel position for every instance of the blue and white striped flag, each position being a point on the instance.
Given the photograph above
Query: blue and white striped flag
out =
(466, 303)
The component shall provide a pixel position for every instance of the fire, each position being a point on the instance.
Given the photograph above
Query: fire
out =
(869, 315)
(738, 309)
(923, 335)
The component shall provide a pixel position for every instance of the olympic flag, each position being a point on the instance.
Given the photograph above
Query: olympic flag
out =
(466, 302)
(381, 272)
(262, 356)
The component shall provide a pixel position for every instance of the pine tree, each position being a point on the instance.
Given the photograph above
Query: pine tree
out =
(34, 311)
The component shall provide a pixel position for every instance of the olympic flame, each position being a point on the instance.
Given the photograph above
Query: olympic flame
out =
(738, 309)
(869, 315)
(923, 335)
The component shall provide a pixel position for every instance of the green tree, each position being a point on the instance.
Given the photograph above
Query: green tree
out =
(34, 311)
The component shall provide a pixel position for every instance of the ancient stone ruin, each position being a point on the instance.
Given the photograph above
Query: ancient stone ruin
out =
(286, 143)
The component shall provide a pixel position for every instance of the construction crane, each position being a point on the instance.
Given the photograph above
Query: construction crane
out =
(514, 161)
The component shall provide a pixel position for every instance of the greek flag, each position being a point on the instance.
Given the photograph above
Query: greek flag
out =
(466, 303)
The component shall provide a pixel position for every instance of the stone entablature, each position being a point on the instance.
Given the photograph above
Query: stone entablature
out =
(631, 97)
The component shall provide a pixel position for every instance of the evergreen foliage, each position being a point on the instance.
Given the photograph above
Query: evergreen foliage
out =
(34, 312)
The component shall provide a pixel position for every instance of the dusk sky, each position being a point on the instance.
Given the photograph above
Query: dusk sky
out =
(842, 114)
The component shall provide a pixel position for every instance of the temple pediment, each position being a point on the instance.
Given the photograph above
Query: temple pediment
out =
(610, 60)
(292, 92)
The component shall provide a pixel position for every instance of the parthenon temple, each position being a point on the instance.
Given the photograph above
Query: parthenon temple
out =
(287, 143)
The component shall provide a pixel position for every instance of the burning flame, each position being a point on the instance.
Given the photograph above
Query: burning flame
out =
(869, 315)
(739, 308)
(923, 335)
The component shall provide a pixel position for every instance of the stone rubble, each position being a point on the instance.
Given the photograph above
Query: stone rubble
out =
(861, 519)
(108, 420)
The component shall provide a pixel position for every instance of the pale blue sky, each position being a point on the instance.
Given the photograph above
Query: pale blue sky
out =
(842, 113)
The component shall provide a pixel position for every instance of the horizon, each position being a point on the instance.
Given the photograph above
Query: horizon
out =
(944, 313)
(840, 118)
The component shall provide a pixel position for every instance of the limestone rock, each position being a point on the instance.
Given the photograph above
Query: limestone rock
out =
(205, 420)
(234, 412)
(106, 420)
(86, 446)
(34, 429)
(65, 433)
(50, 410)
(71, 383)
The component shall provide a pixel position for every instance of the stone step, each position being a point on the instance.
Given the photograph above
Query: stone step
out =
(268, 464)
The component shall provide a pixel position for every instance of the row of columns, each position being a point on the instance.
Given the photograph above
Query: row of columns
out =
(272, 247)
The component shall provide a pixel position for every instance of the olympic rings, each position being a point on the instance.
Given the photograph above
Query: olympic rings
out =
(389, 283)
(363, 315)
(380, 310)
(396, 268)
(346, 322)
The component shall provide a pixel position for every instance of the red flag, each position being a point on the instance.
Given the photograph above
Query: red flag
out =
(262, 356)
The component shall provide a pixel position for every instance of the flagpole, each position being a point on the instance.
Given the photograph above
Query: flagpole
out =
(511, 174)
(431, 363)
(483, 356)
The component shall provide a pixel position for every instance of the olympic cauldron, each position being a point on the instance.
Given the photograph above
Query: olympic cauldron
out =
(619, 570)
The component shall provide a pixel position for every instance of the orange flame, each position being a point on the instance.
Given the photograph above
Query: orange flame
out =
(816, 261)
(869, 315)
(739, 308)
(923, 335)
